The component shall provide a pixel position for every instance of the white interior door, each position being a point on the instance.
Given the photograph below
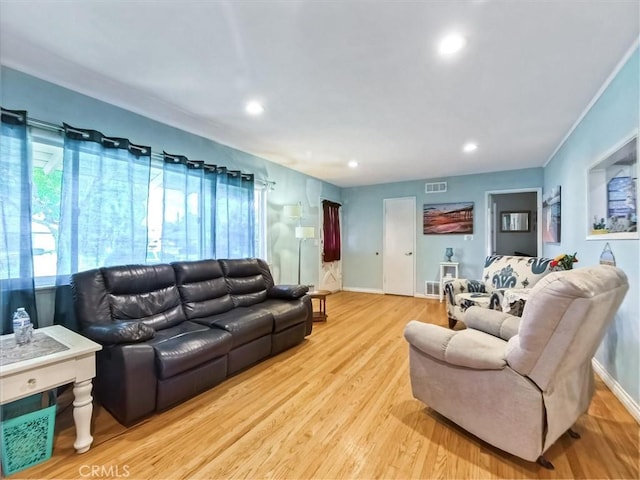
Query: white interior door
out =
(398, 256)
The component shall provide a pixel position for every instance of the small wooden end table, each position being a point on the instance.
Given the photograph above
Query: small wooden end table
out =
(320, 315)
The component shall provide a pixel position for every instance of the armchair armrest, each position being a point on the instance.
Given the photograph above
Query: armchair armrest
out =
(459, 285)
(119, 332)
(493, 322)
(464, 348)
(287, 292)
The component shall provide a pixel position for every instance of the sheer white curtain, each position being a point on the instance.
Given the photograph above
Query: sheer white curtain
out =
(187, 231)
(208, 211)
(103, 208)
(235, 215)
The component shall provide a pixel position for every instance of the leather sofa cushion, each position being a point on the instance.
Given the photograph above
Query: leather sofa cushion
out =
(245, 281)
(203, 288)
(177, 354)
(147, 293)
(244, 323)
(175, 331)
(197, 271)
(286, 313)
(131, 279)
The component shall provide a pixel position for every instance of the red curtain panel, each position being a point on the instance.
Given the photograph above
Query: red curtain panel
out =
(331, 230)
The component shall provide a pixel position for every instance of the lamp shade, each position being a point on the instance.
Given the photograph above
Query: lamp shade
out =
(292, 211)
(305, 232)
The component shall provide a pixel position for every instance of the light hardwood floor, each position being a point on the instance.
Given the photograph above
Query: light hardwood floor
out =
(337, 406)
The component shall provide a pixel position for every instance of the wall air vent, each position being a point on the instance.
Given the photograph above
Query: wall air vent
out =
(432, 289)
(435, 187)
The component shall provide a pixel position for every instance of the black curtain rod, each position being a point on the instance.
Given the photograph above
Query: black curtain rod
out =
(52, 127)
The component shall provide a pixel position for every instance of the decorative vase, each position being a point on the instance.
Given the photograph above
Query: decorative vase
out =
(448, 253)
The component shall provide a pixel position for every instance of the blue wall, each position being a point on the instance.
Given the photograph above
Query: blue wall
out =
(363, 231)
(613, 116)
(52, 103)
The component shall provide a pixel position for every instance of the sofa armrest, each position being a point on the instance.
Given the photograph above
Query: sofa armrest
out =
(287, 292)
(126, 381)
(465, 348)
(119, 332)
(493, 322)
(460, 285)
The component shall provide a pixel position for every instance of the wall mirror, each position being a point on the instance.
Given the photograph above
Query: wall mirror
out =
(515, 221)
(612, 193)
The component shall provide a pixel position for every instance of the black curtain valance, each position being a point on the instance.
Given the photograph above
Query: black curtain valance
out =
(88, 135)
(209, 168)
(193, 164)
(14, 117)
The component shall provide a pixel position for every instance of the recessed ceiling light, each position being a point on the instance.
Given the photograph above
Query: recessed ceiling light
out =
(352, 164)
(451, 44)
(254, 108)
(470, 147)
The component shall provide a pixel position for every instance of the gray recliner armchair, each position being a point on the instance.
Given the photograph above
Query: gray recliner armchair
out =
(519, 383)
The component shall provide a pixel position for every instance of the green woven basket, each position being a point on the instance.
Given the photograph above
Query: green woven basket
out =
(27, 440)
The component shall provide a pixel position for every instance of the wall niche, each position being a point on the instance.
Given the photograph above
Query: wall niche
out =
(613, 193)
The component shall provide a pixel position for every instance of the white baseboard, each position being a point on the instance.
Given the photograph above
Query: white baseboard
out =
(380, 292)
(363, 290)
(627, 402)
(428, 297)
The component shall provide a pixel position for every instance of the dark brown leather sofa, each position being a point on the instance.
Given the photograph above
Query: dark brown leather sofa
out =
(171, 331)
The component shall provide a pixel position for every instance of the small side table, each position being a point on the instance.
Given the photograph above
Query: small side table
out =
(448, 271)
(320, 315)
(71, 359)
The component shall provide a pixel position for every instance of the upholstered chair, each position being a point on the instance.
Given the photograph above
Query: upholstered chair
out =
(519, 383)
(500, 272)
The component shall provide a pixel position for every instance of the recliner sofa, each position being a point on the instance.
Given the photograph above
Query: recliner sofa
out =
(171, 331)
(520, 383)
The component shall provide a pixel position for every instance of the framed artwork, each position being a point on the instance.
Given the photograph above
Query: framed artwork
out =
(444, 218)
(551, 214)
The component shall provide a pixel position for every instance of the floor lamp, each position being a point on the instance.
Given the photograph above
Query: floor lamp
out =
(303, 233)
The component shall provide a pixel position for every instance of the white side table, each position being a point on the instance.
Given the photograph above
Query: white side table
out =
(57, 356)
(448, 271)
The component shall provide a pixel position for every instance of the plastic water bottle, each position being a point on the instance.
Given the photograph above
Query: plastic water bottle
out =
(22, 327)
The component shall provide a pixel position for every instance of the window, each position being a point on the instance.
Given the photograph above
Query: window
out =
(46, 150)
(47, 153)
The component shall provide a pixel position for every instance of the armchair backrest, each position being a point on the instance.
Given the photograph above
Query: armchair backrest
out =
(565, 320)
(505, 271)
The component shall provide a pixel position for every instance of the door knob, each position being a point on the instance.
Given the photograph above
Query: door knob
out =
(409, 253)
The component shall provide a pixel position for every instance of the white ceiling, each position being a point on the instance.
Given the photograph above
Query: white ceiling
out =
(339, 80)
